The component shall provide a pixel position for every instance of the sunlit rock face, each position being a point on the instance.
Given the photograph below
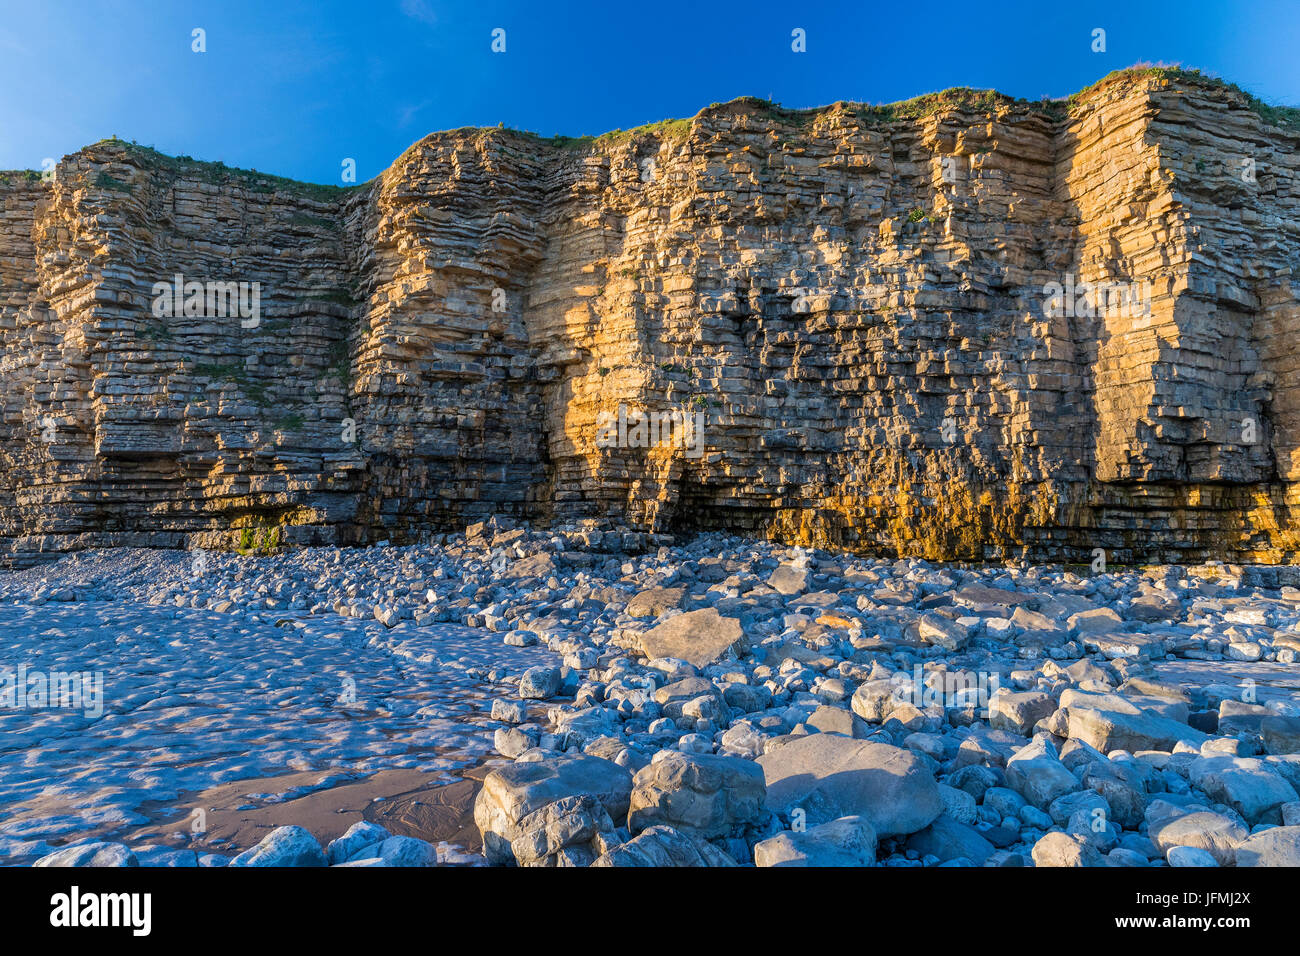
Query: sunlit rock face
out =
(964, 329)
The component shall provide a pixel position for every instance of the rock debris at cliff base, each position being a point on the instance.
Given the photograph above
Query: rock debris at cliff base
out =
(869, 306)
(709, 701)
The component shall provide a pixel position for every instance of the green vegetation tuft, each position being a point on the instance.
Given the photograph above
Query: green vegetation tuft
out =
(664, 129)
(571, 142)
(9, 177)
(338, 365)
(236, 375)
(105, 181)
(219, 174)
(337, 296)
(157, 332)
(930, 104)
(1288, 116)
(319, 222)
(959, 98)
(262, 540)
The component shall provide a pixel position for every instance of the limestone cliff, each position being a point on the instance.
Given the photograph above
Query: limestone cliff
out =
(862, 302)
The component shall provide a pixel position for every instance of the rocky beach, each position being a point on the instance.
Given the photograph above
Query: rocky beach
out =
(904, 485)
(615, 698)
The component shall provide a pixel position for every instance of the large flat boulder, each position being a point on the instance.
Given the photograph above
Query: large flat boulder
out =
(654, 601)
(673, 697)
(1112, 722)
(829, 776)
(829, 719)
(540, 565)
(396, 851)
(942, 632)
(1037, 629)
(980, 597)
(1238, 717)
(789, 580)
(987, 745)
(697, 637)
(1097, 620)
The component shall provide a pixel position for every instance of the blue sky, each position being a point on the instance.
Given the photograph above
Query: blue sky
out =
(293, 87)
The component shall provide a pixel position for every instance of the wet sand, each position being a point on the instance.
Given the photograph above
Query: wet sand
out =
(256, 725)
(437, 807)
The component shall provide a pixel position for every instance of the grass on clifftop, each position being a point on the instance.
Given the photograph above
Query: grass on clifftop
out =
(957, 98)
(960, 98)
(664, 128)
(982, 101)
(218, 173)
(1288, 116)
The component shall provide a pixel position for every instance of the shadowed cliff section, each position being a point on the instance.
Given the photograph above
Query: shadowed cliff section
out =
(853, 297)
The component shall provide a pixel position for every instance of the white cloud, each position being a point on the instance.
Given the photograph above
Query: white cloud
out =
(419, 10)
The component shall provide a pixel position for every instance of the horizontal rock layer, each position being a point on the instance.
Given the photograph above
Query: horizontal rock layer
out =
(856, 303)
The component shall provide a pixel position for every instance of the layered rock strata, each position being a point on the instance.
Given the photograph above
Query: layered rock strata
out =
(880, 317)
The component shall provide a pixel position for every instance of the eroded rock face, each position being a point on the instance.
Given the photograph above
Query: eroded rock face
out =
(573, 831)
(515, 810)
(664, 846)
(854, 301)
